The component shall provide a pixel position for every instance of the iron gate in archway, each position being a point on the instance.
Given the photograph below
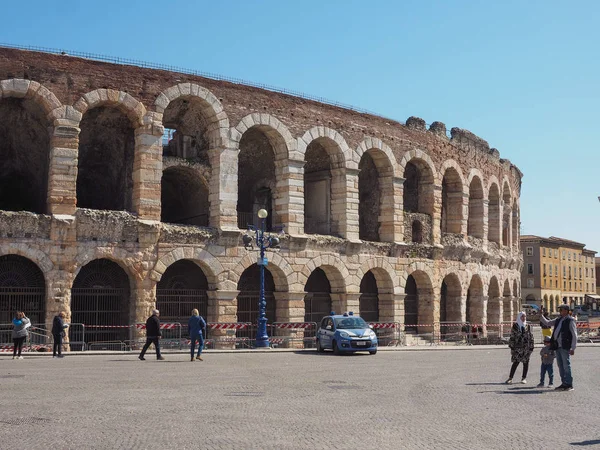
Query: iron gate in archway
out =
(22, 288)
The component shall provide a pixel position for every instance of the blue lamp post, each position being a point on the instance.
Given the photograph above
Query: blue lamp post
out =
(263, 242)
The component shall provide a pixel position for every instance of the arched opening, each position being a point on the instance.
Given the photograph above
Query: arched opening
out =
(184, 197)
(256, 178)
(100, 301)
(182, 288)
(105, 161)
(450, 305)
(507, 305)
(369, 298)
(24, 156)
(451, 202)
(546, 302)
(531, 299)
(515, 226)
(475, 301)
(418, 196)
(317, 301)
(249, 296)
(317, 189)
(22, 288)
(417, 232)
(506, 215)
(494, 311)
(369, 197)
(418, 303)
(476, 218)
(494, 214)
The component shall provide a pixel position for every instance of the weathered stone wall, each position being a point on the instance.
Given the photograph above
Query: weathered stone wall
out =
(222, 120)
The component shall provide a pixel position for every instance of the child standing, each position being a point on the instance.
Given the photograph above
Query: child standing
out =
(548, 356)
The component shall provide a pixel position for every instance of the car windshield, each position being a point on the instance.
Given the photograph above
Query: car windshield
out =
(350, 323)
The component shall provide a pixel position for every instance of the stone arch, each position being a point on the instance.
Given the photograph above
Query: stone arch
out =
(419, 155)
(184, 196)
(494, 214)
(494, 310)
(334, 143)
(132, 108)
(506, 214)
(453, 189)
(339, 278)
(419, 302)
(284, 145)
(212, 109)
(385, 156)
(386, 276)
(476, 308)
(418, 194)
(377, 195)
(121, 257)
(210, 265)
(278, 266)
(516, 220)
(40, 94)
(451, 303)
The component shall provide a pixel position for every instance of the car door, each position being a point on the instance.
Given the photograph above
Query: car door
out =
(326, 332)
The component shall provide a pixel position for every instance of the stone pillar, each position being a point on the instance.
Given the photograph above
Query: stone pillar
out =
(62, 170)
(485, 224)
(428, 309)
(464, 205)
(223, 190)
(390, 217)
(398, 208)
(344, 203)
(142, 302)
(291, 203)
(222, 307)
(147, 167)
(436, 215)
(338, 302)
(391, 308)
(290, 308)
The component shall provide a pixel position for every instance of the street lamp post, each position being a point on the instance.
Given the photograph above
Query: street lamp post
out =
(263, 242)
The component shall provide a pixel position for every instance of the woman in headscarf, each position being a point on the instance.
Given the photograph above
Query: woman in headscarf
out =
(521, 346)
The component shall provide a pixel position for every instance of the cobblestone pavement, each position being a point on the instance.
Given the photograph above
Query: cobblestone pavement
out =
(407, 399)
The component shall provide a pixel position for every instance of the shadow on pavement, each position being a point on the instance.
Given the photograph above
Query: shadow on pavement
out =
(591, 442)
(485, 384)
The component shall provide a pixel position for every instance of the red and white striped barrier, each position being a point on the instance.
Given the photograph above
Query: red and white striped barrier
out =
(34, 348)
(107, 326)
(377, 325)
(163, 326)
(294, 325)
(228, 326)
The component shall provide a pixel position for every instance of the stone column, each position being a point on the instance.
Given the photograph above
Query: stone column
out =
(147, 167)
(142, 302)
(223, 190)
(292, 201)
(338, 302)
(464, 205)
(398, 209)
(436, 215)
(222, 307)
(344, 203)
(485, 224)
(428, 309)
(290, 308)
(62, 170)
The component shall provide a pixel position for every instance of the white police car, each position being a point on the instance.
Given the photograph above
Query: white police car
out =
(346, 333)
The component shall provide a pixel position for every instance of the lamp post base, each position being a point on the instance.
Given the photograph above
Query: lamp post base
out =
(262, 343)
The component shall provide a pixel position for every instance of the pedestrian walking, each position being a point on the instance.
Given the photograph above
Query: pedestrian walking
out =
(546, 330)
(19, 333)
(197, 329)
(153, 335)
(548, 356)
(58, 333)
(521, 346)
(564, 341)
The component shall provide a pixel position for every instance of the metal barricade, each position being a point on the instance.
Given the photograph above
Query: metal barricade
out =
(37, 339)
(171, 336)
(388, 333)
(454, 333)
(76, 333)
(229, 335)
(294, 334)
(110, 332)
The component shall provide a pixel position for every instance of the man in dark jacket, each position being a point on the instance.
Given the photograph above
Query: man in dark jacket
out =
(58, 332)
(565, 337)
(152, 335)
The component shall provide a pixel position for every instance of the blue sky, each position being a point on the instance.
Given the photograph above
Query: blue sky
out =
(521, 75)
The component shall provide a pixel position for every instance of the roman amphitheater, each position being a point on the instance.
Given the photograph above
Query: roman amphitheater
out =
(123, 188)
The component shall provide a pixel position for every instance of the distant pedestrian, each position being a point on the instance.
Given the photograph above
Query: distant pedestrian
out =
(153, 335)
(19, 333)
(58, 333)
(197, 329)
(548, 356)
(546, 330)
(521, 346)
(564, 341)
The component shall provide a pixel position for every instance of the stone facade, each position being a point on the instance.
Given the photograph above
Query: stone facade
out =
(438, 216)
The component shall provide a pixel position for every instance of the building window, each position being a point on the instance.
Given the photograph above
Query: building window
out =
(530, 269)
(544, 282)
(564, 271)
(556, 284)
(580, 286)
(565, 285)
(556, 253)
(564, 254)
(544, 269)
(580, 272)
(544, 251)
(569, 256)
(586, 272)
(529, 282)
(550, 270)
(529, 251)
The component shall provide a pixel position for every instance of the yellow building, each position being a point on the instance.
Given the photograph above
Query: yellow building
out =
(556, 271)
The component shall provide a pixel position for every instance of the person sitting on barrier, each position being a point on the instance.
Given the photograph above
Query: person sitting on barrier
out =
(19, 333)
(58, 333)
(197, 329)
(152, 335)
(521, 346)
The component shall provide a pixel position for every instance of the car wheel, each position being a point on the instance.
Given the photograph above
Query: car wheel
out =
(373, 352)
(320, 348)
(336, 350)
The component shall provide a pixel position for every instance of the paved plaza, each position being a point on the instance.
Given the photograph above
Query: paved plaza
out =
(425, 399)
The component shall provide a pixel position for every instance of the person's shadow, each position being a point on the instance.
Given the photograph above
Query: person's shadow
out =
(590, 442)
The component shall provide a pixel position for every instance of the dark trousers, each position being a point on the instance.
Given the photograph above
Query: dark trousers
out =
(18, 345)
(200, 340)
(513, 369)
(57, 347)
(151, 340)
(547, 368)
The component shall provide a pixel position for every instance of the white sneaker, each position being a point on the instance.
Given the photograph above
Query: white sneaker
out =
(509, 381)
(524, 381)
(19, 357)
